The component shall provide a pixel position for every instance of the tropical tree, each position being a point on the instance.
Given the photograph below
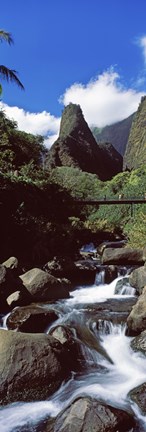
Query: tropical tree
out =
(9, 75)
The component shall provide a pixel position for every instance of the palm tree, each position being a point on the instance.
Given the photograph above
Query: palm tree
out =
(9, 75)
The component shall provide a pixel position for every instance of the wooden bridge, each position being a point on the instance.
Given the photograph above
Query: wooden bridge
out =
(119, 201)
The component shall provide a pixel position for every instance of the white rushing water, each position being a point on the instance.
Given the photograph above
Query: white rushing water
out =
(108, 381)
(96, 293)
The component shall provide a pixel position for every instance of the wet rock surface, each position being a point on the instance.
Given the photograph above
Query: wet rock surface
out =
(113, 305)
(31, 319)
(136, 321)
(74, 357)
(139, 343)
(138, 395)
(89, 415)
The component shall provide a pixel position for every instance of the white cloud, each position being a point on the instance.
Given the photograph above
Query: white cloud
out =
(50, 140)
(42, 123)
(142, 44)
(103, 100)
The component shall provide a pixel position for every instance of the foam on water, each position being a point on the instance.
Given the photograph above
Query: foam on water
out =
(96, 293)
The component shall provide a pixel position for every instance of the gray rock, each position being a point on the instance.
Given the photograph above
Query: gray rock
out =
(43, 286)
(30, 319)
(13, 299)
(19, 298)
(31, 366)
(139, 343)
(123, 256)
(115, 245)
(112, 305)
(74, 357)
(9, 283)
(62, 333)
(89, 415)
(136, 321)
(138, 395)
(137, 278)
(11, 263)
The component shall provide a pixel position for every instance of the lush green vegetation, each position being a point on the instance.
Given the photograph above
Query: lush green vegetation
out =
(115, 219)
(39, 213)
(18, 148)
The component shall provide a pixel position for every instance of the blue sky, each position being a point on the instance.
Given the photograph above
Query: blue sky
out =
(91, 52)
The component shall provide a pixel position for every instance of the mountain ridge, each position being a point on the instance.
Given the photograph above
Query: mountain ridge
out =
(77, 147)
(135, 153)
(117, 133)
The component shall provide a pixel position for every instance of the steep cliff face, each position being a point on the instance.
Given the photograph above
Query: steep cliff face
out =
(135, 154)
(117, 134)
(77, 147)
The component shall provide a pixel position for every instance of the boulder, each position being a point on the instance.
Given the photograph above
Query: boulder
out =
(139, 343)
(31, 366)
(9, 283)
(30, 319)
(19, 298)
(74, 357)
(138, 395)
(43, 286)
(11, 263)
(136, 321)
(107, 244)
(123, 256)
(89, 415)
(137, 278)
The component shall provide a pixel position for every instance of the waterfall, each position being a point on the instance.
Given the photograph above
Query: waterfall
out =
(99, 278)
(127, 290)
(107, 327)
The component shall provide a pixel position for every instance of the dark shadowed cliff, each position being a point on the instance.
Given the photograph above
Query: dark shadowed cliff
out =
(76, 147)
(135, 154)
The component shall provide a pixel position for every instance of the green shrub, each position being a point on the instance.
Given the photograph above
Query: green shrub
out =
(135, 230)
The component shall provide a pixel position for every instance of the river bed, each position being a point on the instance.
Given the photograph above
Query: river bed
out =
(110, 367)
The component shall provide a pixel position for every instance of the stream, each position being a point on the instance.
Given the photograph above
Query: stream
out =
(109, 367)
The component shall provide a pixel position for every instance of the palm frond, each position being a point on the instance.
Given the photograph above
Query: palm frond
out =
(6, 36)
(10, 75)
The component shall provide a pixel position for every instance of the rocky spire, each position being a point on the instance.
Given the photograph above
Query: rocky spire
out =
(76, 146)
